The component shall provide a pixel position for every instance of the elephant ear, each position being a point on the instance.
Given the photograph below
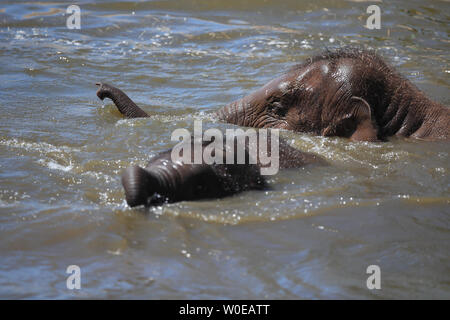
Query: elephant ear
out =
(356, 124)
(365, 129)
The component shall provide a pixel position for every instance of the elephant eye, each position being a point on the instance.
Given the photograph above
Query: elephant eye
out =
(278, 109)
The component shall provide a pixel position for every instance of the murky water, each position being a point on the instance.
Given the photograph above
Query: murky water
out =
(312, 236)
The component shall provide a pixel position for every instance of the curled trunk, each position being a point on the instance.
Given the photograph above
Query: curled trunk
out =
(125, 105)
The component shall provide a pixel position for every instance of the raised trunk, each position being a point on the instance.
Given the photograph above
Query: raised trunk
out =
(125, 105)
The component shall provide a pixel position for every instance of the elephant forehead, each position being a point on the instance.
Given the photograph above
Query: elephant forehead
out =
(343, 71)
(283, 86)
(311, 76)
(305, 73)
(279, 85)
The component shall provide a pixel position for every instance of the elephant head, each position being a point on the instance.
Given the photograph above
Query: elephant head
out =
(348, 93)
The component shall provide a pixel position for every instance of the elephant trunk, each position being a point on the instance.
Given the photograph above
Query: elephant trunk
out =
(140, 186)
(238, 112)
(125, 105)
(164, 181)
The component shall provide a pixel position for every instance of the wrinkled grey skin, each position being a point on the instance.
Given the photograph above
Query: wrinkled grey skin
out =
(349, 93)
(164, 181)
(125, 105)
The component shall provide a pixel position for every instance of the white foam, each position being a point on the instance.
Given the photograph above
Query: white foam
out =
(42, 147)
(55, 166)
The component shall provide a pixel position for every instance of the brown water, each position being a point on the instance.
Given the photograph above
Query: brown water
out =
(312, 236)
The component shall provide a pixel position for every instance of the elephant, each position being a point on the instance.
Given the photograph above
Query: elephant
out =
(164, 180)
(348, 92)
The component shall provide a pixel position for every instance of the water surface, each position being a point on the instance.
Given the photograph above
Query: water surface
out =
(312, 236)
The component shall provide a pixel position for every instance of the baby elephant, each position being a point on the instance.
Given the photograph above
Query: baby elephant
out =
(348, 93)
(165, 180)
(238, 165)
